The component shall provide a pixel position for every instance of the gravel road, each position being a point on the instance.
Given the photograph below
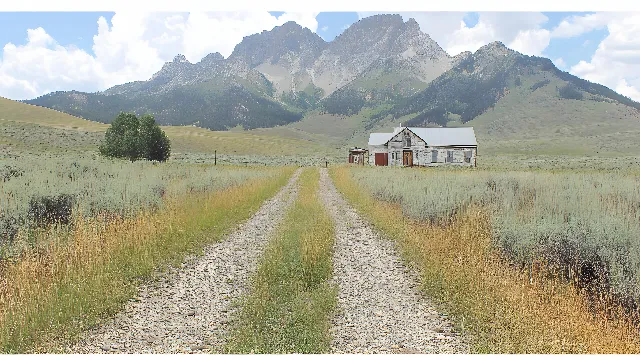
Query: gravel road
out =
(187, 310)
(380, 307)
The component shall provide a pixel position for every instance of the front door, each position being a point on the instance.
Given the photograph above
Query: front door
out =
(407, 158)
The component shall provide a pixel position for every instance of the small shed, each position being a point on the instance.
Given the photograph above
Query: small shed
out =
(358, 155)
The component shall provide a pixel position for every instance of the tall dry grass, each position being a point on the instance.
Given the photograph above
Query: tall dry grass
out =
(51, 294)
(502, 309)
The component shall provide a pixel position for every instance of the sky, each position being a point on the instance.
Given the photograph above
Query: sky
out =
(92, 51)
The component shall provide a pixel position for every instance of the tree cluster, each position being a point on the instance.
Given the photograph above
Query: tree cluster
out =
(133, 138)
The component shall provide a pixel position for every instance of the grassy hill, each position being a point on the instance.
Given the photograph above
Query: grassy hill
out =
(29, 127)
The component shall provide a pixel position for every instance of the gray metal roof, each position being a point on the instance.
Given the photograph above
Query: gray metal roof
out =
(379, 138)
(462, 136)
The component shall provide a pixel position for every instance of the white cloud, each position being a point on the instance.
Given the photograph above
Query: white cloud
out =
(560, 63)
(132, 47)
(628, 91)
(579, 24)
(531, 42)
(616, 62)
(324, 28)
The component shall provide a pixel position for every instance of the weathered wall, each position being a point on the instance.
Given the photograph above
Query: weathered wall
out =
(373, 149)
(458, 156)
(396, 146)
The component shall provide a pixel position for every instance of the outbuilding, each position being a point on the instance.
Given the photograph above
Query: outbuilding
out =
(358, 156)
(412, 146)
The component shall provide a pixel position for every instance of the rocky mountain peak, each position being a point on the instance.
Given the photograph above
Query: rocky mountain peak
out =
(412, 26)
(213, 57)
(180, 59)
(287, 40)
(495, 48)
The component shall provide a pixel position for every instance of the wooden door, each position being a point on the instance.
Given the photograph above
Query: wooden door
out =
(407, 158)
(381, 159)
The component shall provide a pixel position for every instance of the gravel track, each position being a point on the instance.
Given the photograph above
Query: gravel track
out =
(380, 307)
(187, 310)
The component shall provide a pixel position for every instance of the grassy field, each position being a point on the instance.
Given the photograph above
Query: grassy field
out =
(37, 191)
(33, 128)
(449, 229)
(288, 310)
(577, 223)
(66, 278)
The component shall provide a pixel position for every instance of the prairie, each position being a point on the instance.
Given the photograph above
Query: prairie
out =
(516, 256)
(78, 234)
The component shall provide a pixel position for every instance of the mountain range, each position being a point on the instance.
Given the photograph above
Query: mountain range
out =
(380, 66)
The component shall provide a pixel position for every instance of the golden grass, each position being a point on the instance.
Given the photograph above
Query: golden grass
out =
(188, 139)
(502, 309)
(20, 112)
(88, 273)
(288, 310)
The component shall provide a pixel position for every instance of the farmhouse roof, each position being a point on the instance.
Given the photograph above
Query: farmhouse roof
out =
(463, 136)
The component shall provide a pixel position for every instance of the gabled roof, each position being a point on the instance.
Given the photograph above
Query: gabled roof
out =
(463, 136)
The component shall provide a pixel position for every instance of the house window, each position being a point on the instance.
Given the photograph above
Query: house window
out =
(467, 156)
(407, 140)
(434, 155)
(450, 156)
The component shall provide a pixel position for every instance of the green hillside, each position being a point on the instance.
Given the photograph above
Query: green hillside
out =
(26, 127)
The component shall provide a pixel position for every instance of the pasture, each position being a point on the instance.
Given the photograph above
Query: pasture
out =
(522, 258)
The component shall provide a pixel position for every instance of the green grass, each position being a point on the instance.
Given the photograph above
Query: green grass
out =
(288, 310)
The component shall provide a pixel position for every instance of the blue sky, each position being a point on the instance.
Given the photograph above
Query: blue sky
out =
(68, 38)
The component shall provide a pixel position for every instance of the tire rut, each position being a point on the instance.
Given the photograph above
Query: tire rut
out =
(187, 310)
(380, 306)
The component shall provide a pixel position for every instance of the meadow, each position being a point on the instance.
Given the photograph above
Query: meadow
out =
(47, 189)
(517, 256)
(581, 224)
(78, 232)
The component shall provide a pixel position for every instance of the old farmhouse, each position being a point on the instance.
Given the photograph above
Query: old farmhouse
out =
(411, 146)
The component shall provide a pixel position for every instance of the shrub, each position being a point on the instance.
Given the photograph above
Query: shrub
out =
(8, 229)
(539, 84)
(49, 210)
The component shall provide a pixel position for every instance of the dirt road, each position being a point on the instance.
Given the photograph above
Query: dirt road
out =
(380, 307)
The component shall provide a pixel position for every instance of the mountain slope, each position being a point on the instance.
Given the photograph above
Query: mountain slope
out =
(30, 128)
(215, 93)
(517, 104)
(481, 79)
